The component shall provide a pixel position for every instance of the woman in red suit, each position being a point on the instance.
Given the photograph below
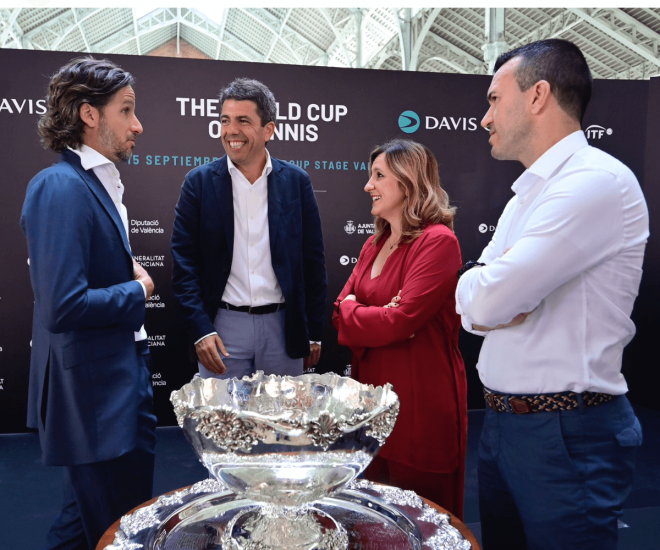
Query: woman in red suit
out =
(397, 314)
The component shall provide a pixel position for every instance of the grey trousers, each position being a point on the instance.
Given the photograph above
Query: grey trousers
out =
(254, 342)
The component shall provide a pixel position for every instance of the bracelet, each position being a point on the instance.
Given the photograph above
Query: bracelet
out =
(468, 265)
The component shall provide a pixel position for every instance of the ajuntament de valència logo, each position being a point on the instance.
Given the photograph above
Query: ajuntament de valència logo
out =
(410, 122)
(596, 132)
(361, 228)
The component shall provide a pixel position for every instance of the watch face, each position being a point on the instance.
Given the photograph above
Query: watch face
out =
(468, 265)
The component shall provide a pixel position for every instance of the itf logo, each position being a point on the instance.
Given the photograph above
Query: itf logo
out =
(596, 132)
(409, 121)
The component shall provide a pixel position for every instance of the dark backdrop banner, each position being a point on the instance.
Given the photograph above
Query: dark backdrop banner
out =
(329, 120)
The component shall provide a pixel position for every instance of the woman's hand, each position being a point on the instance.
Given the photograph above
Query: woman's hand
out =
(395, 301)
(349, 297)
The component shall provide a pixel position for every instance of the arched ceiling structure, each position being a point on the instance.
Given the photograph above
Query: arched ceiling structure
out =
(618, 43)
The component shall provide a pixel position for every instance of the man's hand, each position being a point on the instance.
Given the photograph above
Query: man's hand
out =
(207, 353)
(140, 274)
(518, 319)
(315, 355)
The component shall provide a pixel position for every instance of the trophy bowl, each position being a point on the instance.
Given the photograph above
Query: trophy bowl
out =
(285, 442)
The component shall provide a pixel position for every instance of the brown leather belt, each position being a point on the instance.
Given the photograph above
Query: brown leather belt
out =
(562, 401)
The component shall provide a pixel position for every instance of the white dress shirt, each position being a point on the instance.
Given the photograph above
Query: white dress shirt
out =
(252, 281)
(108, 175)
(577, 229)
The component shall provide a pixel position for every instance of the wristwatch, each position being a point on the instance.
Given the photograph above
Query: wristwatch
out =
(469, 265)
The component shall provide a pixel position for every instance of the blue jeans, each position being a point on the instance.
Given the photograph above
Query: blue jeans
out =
(254, 342)
(556, 480)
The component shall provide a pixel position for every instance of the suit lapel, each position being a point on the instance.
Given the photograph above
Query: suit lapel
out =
(95, 185)
(225, 196)
(276, 182)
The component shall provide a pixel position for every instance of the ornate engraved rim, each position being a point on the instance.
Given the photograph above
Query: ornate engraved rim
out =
(236, 430)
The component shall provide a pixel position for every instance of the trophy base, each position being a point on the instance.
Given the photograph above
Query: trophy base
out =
(282, 528)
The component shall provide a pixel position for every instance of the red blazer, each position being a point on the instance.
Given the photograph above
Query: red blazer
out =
(427, 370)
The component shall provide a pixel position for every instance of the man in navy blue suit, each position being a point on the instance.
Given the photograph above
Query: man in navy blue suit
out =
(249, 267)
(90, 394)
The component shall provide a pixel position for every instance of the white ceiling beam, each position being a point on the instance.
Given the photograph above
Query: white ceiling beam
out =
(77, 25)
(9, 30)
(82, 33)
(268, 27)
(455, 66)
(441, 26)
(339, 39)
(421, 37)
(555, 27)
(405, 21)
(456, 50)
(605, 21)
(221, 33)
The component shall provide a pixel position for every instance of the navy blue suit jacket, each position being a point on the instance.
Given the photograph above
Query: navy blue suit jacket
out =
(203, 243)
(83, 392)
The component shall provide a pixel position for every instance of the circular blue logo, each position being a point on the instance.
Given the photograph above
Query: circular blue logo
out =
(409, 121)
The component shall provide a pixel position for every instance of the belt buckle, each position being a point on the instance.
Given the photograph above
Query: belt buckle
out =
(250, 310)
(519, 406)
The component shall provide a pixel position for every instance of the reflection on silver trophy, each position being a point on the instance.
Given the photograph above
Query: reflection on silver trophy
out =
(285, 442)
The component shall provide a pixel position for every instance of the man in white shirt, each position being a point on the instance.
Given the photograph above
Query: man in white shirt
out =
(249, 266)
(90, 394)
(552, 294)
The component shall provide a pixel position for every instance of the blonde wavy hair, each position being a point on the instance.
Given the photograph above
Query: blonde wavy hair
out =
(425, 202)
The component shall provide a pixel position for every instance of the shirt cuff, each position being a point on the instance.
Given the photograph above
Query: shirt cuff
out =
(202, 338)
(144, 289)
(312, 342)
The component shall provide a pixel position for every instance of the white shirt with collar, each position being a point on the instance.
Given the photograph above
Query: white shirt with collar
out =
(108, 175)
(252, 281)
(576, 229)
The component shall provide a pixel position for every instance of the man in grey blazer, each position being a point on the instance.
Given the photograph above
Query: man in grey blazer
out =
(90, 395)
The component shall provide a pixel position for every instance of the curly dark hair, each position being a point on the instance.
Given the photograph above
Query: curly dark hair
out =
(82, 80)
(247, 89)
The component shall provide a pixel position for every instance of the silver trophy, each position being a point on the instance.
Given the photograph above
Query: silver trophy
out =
(285, 442)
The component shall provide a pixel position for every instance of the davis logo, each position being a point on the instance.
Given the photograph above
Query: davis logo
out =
(349, 227)
(596, 132)
(409, 121)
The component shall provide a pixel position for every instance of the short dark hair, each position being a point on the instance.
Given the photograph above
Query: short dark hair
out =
(561, 64)
(82, 80)
(248, 89)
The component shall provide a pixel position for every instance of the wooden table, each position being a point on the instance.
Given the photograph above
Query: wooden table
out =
(109, 535)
